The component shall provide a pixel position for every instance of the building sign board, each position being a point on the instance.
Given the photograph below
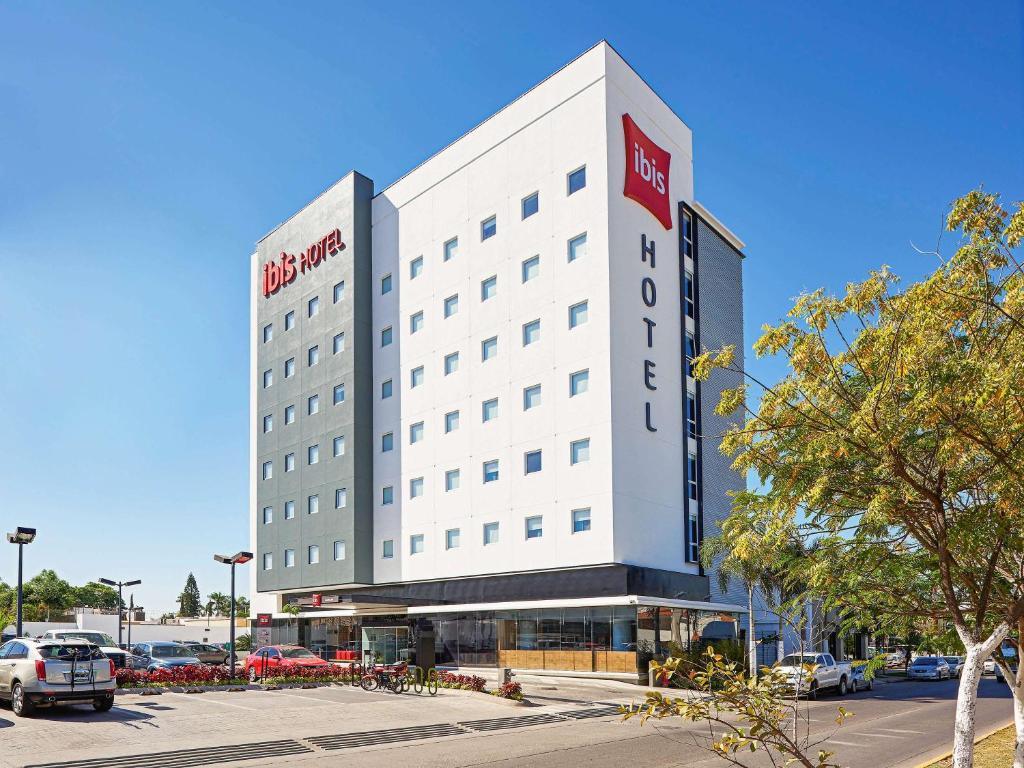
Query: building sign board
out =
(647, 167)
(282, 271)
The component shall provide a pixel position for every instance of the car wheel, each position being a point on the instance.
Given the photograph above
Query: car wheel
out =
(20, 704)
(870, 684)
(104, 704)
(812, 692)
(853, 686)
(843, 688)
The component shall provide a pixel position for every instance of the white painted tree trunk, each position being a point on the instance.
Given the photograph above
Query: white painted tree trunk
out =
(1017, 686)
(967, 695)
(751, 642)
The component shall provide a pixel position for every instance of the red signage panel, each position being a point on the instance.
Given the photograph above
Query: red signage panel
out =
(647, 167)
(283, 270)
(264, 619)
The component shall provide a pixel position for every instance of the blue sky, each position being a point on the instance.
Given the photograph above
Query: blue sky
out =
(145, 147)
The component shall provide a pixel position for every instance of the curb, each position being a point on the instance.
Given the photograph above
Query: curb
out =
(977, 739)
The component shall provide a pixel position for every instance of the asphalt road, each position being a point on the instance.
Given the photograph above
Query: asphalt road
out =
(899, 724)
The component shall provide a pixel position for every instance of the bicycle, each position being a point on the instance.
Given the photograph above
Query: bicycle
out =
(382, 677)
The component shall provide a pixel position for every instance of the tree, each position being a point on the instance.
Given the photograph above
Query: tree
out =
(242, 607)
(8, 605)
(49, 593)
(896, 440)
(95, 595)
(221, 603)
(189, 600)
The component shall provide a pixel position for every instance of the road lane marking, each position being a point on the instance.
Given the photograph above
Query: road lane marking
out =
(902, 730)
(200, 697)
(830, 742)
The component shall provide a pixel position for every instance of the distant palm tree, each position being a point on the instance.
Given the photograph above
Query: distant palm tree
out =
(221, 603)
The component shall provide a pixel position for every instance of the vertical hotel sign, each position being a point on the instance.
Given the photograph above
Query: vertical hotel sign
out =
(282, 271)
(647, 178)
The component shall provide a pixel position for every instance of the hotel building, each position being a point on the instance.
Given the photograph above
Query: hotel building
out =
(474, 437)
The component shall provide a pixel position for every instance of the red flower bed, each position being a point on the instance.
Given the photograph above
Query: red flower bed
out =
(510, 691)
(197, 674)
(466, 682)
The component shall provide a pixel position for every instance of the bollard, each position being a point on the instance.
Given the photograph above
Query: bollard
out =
(506, 675)
(652, 676)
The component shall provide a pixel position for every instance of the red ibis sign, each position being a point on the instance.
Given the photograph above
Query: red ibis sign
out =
(647, 167)
(283, 270)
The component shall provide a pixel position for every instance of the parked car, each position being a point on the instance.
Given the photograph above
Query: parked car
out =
(828, 673)
(858, 682)
(165, 655)
(999, 671)
(208, 653)
(45, 672)
(928, 668)
(105, 642)
(280, 659)
(956, 665)
(988, 667)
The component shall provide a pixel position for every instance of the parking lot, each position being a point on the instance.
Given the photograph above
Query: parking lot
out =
(571, 723)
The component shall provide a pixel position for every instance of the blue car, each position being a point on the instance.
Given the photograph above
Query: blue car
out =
(165, 655)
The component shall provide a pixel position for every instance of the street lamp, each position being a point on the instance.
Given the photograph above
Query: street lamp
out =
(239, 558)
(120, 603)
(132, 608)
(21, 537)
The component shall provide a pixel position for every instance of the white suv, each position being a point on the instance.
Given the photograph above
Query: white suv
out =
(37, 673)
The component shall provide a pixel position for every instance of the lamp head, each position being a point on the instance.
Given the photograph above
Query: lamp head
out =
(108, 582)
(22, 535)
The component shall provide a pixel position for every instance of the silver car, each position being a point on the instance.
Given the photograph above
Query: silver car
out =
(36, 673)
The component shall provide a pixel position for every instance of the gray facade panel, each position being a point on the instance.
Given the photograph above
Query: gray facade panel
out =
(346, 207)
(720, 318)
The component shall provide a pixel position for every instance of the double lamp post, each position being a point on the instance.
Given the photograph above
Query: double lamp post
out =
(239, 558)
(120, 602)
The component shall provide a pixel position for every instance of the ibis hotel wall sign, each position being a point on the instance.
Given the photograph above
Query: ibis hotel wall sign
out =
(647, 167)
(282, 271)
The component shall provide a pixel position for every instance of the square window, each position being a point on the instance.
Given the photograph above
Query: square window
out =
(268, 332)
(579, 382)
(289, 320)
(289, 367)
(268, 515)
(387, 388)
(531, 332)
(313, 305)
(531, 268)
(415, 267)
(416, 432)
(577, 314)
(387, 442)
(416, 544)
(340, 498)
(385, 285)
(490, 409)
(531, 462)
(387, 550)
(451, 421)
(289, 462)
(489, 288)
(451, 480)
(339, 445)
(268, 378)
(451, 249)
(268, 561)
(579, 451)
(289, 510)
(313, 355)
(688, 293)
(451, 363)
(339, 343)
(289, 558)
(577, 180)
(488, 228)
(534, 527)
(415, 322)
(578, 247)
(490, 471)
(415, 487)
(386, 336)
(530, 205)
(268, 422)
(531, 397)
(451, 538)
(339, 550)
(387, 495)
(313, 454)
(339, 394)
(490, 533)
(451, 305)
(416, 377)
(339, 291)
(313, 554)
(488, 348)
(312, 504)
(580, 520)
(289, 414)
(313, 405)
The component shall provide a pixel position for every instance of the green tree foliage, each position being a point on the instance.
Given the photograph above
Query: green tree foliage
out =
(221, 603)
(242, 607)
(48, 594)
(896, 441)
(189, 601)
(95, 595)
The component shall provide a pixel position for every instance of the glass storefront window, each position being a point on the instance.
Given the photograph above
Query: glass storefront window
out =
(601, 628)
(576, 629)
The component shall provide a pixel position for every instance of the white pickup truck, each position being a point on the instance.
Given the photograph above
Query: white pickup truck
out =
(828, 673)
(101, 639)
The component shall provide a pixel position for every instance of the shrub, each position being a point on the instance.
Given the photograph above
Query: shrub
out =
(510, 690)
(243, 642)
(465, 682)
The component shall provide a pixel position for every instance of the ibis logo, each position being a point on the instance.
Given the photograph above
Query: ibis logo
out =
(647, 167)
